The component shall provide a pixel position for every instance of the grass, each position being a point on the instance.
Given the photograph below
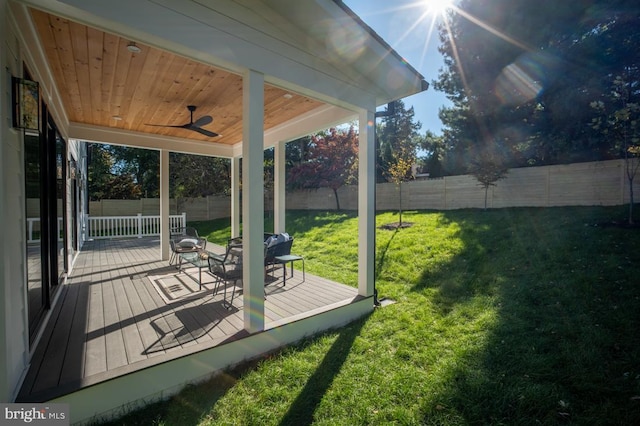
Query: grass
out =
(503, 317)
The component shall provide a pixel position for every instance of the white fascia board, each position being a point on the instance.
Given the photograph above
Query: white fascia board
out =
(370, 60)
(320, 118)
(201, 33)
(111, 136)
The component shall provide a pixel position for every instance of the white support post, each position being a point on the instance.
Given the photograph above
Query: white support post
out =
(253, 200)
(279, 188)
(235, 197)
(366, 204)
(164, 204)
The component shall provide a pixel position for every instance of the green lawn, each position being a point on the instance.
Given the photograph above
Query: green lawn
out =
(510, 316)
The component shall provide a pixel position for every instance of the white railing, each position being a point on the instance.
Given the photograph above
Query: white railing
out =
(33, 229)
(99, 227)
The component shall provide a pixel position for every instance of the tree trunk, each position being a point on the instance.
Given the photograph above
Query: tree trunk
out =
(630, 198)
(486, 193)
(400, 206)
(631, 174)
(335, 194)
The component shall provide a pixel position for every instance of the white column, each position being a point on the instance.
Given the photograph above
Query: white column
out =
(253, 200)
(164, 204)
(279, 191)
(366, 204)
(235, 197)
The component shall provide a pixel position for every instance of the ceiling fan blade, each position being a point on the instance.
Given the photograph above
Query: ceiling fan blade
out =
(203, 121)
(204, 132)
(193, 125)
(167, 125)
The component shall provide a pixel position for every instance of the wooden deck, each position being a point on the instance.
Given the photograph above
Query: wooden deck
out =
(112, 320)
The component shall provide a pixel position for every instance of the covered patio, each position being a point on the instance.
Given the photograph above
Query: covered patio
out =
(114, 321)
(260, 74)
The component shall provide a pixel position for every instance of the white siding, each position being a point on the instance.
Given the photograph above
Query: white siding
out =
(13, 308)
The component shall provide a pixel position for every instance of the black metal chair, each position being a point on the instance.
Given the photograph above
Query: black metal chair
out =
(227, 269)
(184, 240)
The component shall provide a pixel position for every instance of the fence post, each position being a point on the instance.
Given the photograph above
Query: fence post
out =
(139, 225)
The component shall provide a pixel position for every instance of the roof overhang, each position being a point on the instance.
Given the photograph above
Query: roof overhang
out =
(318, 50)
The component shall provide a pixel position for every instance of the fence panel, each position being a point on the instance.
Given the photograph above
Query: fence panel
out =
(596, 183)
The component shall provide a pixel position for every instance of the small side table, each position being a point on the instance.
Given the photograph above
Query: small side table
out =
(289, 258)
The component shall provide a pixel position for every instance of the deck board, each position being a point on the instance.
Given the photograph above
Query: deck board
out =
(73, 364)
(111, 320)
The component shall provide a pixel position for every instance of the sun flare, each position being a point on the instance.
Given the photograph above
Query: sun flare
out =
(437, 7)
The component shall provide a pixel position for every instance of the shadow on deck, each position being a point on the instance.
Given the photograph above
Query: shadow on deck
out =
(124, 311)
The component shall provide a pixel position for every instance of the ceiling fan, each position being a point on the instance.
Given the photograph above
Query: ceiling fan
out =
(196, 126)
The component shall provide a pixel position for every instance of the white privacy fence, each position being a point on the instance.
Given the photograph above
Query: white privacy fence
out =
(129, 226)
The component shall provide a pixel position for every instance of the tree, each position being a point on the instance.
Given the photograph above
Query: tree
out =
(130, 173)
(435, 150)
(399, 171)
(397, 132)
(332, 162)
(143, 165)
(524, 72)
(193, 176)
(99, 171)
(619, 119)
(488, 168)
(122, 187)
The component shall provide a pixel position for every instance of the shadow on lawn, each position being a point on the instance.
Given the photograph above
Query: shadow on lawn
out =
(303, 408)
(196, 401)
(562, 345)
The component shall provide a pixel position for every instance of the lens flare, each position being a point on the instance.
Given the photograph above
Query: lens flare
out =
(525, 78)
(437, 7)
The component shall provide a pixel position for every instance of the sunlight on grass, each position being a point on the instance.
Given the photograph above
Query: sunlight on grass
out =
(510, 316)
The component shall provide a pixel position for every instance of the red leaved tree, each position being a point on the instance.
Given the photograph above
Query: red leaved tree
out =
(332, 162)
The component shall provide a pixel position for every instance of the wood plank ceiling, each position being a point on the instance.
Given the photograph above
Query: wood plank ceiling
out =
(102, 83)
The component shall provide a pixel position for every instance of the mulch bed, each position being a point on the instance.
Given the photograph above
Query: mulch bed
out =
(396, 225)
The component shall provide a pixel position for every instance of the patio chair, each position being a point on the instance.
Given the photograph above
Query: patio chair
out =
(227, 270)
(273, 255)
(184, 240)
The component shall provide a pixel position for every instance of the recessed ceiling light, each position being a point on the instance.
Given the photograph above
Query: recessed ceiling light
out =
(287, 96)
(131, 47)
(117, 118)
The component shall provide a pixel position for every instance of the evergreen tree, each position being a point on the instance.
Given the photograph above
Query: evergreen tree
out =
(523, 72)
(435, 150)
(396, 133)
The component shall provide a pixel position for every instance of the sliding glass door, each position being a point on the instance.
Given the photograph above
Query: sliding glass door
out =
(45, 177)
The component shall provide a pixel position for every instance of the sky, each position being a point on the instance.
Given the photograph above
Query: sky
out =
(398, 23)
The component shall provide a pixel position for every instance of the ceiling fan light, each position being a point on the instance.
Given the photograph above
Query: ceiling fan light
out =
(131, 47)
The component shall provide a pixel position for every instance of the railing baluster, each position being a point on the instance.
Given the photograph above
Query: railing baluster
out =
(103, 227)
